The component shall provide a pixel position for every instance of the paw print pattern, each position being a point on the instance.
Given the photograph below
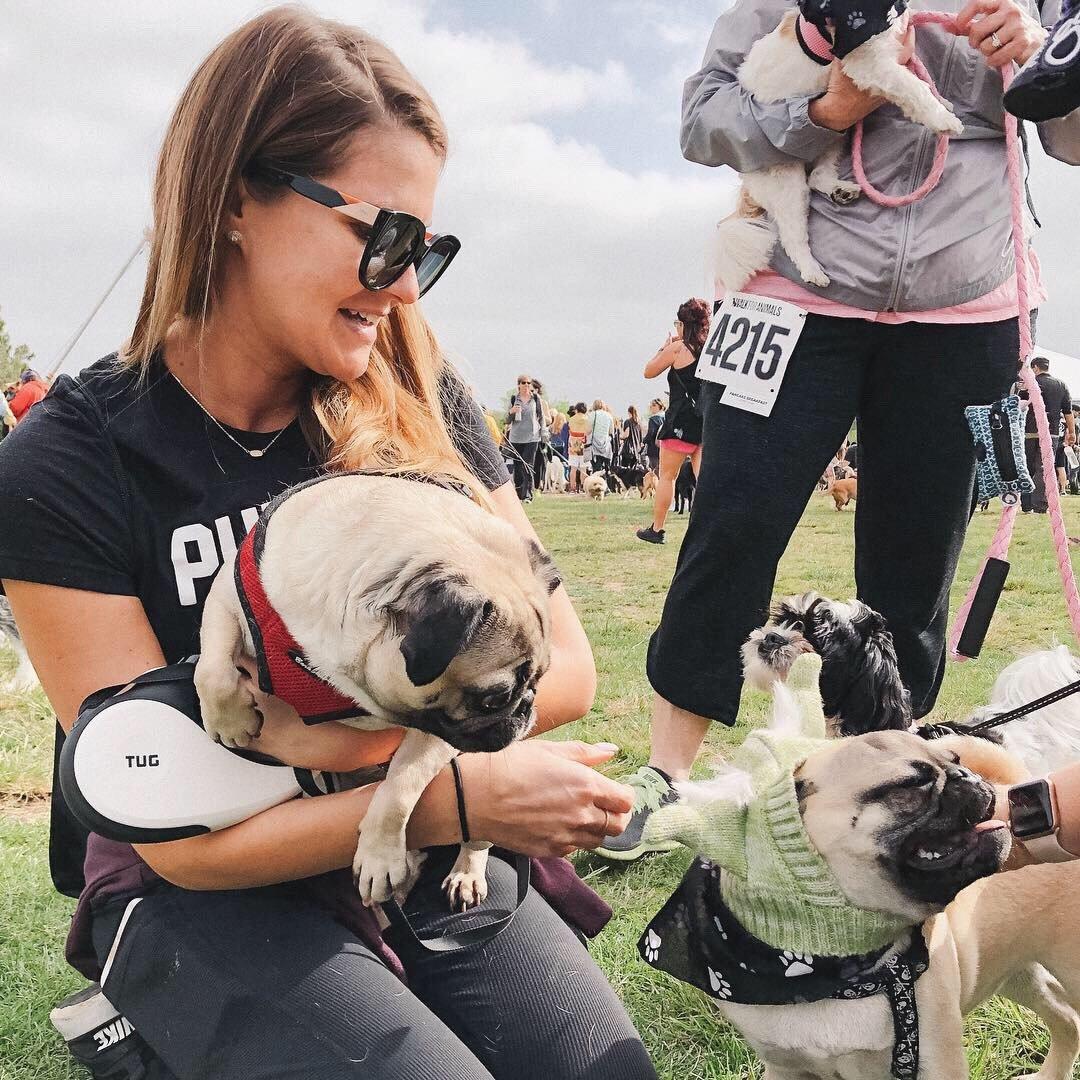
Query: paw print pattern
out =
(796, 964)
(719, 928)
(720, 986)
(855, 19)
(652, 945)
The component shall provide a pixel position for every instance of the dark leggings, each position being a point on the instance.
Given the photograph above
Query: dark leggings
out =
(261, 983)
(908, 386)
(524, 463)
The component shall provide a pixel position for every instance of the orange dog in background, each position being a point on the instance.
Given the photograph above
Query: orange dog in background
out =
(844, 491)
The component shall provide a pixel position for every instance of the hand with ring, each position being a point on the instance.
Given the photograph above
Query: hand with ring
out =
(1001, 30)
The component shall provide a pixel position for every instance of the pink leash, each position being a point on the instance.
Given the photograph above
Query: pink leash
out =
(916, 66)
(999, 546)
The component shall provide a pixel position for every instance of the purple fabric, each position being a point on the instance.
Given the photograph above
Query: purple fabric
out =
(114, 869)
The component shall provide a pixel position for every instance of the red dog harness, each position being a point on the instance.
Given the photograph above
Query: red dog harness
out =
(284, 670)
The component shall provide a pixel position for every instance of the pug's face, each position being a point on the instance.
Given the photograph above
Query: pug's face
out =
(464, 643)
(902, 825)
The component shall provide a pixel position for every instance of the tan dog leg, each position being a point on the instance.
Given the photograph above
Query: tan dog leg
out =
(228, 709)
(1036, 989)
(466, 884)
(381, 867)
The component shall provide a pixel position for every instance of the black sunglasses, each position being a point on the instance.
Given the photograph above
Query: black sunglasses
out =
(394, 240)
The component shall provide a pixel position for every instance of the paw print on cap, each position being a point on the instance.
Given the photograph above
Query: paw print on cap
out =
(720, 986)
(796, 964)
(856, 19)
(652, 945)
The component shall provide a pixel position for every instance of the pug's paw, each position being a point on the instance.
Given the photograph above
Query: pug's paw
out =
(381, 868)
(465, 890)
(229, 713)
(466, 884)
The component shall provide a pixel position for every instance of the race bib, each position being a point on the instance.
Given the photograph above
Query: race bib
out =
(748, 350)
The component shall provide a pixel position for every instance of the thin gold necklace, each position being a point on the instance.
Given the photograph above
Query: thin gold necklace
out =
(225, 431)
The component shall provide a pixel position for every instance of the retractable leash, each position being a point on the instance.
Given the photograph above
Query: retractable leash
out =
(973, 618)
(139, 768)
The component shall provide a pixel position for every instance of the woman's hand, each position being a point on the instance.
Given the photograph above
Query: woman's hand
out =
(331, 747)
(544, 798)
(1001, 30)
(843, 104)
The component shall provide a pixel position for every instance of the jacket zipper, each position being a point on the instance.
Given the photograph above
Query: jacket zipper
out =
(924, 139)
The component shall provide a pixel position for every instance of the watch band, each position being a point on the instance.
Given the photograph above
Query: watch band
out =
(1044, 846)
(1047, 849)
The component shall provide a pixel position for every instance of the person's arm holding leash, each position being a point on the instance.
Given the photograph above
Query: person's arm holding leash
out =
(1021, 34)
(536, 797)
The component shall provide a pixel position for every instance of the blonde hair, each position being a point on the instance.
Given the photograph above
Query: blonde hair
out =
(293, 89)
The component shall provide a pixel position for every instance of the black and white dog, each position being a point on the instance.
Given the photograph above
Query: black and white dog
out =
(860, 677)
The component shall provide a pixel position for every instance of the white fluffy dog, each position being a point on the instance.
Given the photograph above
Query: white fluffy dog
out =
(775, 69)
(1049, 738)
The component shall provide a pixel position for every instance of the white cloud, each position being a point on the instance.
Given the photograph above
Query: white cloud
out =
(571, 268)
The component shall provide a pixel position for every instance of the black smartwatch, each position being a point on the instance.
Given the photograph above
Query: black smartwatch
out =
(1033, 819)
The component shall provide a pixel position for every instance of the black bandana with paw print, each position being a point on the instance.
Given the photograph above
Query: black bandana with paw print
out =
(696, 938)
(850, 23)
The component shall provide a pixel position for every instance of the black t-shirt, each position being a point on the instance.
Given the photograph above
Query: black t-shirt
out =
(1056, 399)
(119, 486)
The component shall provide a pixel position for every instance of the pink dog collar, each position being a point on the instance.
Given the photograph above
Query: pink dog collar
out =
(813, 42)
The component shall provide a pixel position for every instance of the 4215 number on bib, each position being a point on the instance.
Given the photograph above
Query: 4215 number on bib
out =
(748, 350)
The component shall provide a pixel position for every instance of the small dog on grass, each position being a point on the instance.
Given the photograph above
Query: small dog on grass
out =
(685, 487)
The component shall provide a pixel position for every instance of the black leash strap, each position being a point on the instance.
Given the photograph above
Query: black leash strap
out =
(464, 939)
(1026, 710)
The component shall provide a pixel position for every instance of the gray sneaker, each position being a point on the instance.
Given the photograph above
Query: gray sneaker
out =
(652, 789)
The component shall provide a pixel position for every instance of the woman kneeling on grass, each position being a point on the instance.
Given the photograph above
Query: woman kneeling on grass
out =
(257, 360)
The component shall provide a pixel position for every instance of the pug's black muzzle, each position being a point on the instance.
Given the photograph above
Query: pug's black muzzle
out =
(485, 733)
(945, 853)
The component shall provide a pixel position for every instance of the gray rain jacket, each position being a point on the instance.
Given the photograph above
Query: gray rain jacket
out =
(951, 247)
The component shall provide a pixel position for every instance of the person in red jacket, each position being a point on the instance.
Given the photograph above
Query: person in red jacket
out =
(32, 388)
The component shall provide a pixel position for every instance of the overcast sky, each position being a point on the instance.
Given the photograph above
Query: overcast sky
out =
(582, 227)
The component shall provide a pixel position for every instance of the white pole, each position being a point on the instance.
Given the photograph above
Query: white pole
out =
(97, 307)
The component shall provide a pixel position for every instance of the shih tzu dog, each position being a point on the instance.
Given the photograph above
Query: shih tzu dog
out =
(794, 61)
(860, 677)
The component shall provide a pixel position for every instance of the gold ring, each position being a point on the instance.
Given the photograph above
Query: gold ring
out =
(995, 41)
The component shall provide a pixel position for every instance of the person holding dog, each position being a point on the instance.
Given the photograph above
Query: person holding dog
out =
(919, 321)
(679, 436)
(278, 337)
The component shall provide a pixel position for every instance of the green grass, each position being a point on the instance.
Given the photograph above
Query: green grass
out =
(618, 584)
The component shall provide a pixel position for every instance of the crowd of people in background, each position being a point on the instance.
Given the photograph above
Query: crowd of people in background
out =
(659, 454)
(546, 448)
(19, 397)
